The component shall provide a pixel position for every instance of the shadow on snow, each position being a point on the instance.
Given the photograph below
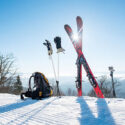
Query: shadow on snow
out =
(16, 105)
(87, 117)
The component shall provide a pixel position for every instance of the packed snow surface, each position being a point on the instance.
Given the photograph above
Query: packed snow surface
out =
(61, 111)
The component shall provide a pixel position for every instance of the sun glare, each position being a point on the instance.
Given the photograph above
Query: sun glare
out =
(75, 37)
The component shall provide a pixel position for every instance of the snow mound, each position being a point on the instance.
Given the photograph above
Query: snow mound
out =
(61, 111)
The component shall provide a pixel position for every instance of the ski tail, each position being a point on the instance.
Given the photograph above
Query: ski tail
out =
(79, 24)
(70, 34)
(69, 31)
(79, 30)
(76, 44)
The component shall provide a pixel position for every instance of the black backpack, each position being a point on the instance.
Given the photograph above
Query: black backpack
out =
(41, 88)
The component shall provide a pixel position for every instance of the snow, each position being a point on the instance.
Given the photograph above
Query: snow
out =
(61, 111)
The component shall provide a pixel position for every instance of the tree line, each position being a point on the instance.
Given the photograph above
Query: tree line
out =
(105, 85)
(10, 82)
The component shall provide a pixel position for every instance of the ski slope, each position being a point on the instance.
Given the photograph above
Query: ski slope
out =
(61, 111)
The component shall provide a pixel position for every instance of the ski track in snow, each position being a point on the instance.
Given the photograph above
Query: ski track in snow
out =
(61, 111)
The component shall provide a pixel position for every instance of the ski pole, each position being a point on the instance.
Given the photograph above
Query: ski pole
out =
(50, 51)
(53, 67)
(58, 67)
(57, 41)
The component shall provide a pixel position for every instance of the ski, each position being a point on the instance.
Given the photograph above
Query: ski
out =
(81, 59)
(79, 65)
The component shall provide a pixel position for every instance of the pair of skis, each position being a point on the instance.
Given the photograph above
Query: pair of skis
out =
(77, 43)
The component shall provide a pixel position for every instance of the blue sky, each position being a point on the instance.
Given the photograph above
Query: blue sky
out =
(25, 24)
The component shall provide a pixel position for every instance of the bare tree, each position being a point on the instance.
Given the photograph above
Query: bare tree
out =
(69, 92)
(106, 87)
(74, 93)
(55, 90)
(7, 69)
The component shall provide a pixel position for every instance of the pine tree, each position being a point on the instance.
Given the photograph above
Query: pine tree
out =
(18, 85)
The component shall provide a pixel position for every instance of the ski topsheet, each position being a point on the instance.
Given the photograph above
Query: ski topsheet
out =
(79, 65)
(81, 59)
